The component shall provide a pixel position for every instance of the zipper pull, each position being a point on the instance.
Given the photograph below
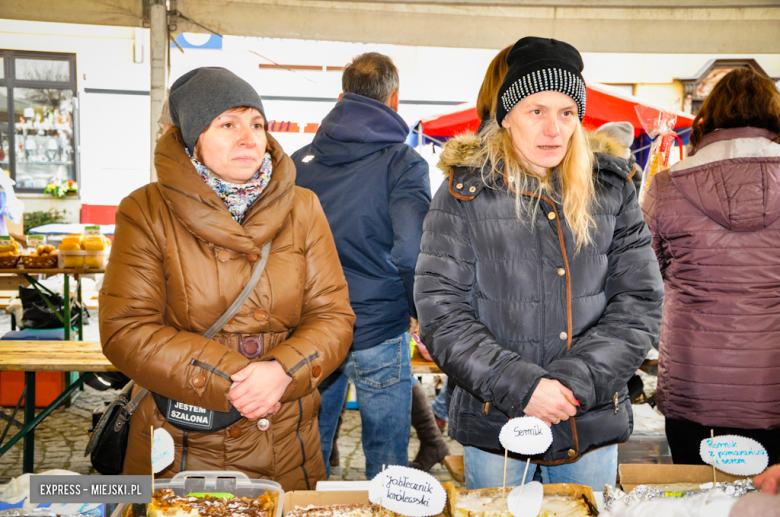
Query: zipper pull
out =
(615, 401)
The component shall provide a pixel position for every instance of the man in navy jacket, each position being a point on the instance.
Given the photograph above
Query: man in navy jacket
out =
(375, 192)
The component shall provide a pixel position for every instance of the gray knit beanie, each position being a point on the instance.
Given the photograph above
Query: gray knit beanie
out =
(623, 132)
(201, 95)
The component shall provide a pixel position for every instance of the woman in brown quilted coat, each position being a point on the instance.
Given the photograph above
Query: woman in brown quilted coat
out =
(184, 249)
(715, 220)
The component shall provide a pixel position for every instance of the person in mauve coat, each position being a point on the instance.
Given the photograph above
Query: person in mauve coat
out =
(185, 246)
(715, 220)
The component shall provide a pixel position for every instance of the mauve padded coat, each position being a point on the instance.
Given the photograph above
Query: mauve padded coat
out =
(715, 219)
(167, 282)
(504, 303)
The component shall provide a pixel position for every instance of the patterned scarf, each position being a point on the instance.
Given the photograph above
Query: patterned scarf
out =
(238, 198)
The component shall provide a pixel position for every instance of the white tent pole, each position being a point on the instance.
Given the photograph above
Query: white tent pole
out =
(159, 57)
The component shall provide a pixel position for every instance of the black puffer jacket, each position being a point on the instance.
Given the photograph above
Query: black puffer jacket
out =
(503, 304)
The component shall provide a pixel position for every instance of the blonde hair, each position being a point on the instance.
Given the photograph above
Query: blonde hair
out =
(575, 190)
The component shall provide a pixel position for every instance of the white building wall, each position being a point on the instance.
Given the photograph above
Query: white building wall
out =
(114, 129)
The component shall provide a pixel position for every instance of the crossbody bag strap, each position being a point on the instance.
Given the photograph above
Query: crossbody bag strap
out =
(248, 288)
(257, 272)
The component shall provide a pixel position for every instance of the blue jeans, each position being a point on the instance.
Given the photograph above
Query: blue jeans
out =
(486, 470)
(439, 406)
(383, 381)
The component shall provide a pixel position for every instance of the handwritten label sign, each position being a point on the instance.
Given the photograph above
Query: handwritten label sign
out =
(526, 435)
(406, 491)
(162, 450)
(33, 241)
(92, 231)
(734, 454)
(526, 500)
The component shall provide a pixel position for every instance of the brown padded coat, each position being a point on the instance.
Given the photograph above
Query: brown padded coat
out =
(169, 279)
(715, 220)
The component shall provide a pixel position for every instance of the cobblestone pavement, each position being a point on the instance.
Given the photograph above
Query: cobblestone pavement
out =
(61, 438)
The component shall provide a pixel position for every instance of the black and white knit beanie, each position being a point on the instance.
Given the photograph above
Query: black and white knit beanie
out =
(538, 65)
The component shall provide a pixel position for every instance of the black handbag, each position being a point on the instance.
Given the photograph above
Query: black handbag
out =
(37, 314)
(108, 444)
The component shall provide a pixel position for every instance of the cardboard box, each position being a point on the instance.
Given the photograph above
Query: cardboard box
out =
(304, 498)
(632, 476)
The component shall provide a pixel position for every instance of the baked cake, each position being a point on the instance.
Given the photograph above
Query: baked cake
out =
(559, 501)
(165, 503)
(338, 510)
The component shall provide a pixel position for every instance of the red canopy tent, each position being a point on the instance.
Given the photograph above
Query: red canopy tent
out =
(603, 105)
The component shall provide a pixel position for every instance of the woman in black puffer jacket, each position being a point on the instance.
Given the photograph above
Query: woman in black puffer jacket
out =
(537, 288)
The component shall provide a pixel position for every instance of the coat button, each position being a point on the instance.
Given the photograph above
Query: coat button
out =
(223, 255)
(561, 271)
(459, 186)
(263, 424)
(563, 335)
(316, 371)
(551, 216)
(260, 315)
(572, 453)
(472, 189)
(251, 257)
(198, 381)
(235, 432)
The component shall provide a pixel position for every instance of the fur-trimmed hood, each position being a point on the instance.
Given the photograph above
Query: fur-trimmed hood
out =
(461, 150)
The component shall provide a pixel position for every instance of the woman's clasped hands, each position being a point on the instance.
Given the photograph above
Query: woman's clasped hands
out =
(551, 402)
(258, 389)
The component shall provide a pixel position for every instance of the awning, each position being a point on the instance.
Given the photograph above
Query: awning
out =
(653, 26)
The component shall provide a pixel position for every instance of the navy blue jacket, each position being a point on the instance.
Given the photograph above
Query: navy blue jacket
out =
(375, 192)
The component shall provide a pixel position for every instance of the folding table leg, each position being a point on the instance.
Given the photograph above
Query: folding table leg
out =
(28, 455)
(32, 421)
(80, 308)
(66, 314)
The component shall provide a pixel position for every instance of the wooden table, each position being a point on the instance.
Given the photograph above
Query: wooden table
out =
(45, 356)
(421, 366)
(68, 356)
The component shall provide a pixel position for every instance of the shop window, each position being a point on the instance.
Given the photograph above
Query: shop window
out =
(38, 115)
(48, 70)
